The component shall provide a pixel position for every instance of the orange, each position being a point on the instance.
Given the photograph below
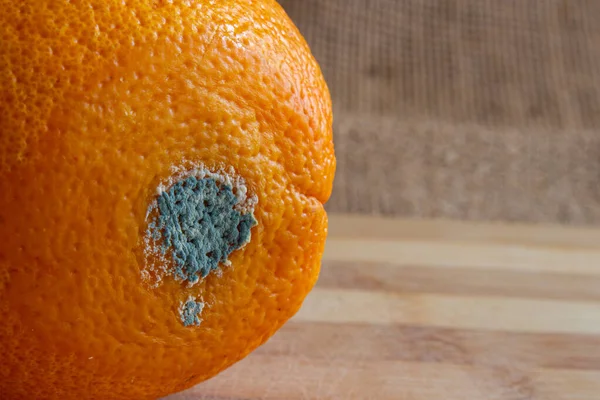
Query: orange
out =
(163, 170)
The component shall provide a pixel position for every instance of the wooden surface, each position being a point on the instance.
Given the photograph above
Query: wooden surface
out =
(443, 310)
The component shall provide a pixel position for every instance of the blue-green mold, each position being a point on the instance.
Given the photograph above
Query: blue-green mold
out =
(190, 312)
(197, 224)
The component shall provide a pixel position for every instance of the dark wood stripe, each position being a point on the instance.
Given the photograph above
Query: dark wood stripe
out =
(354, 342)
(460, 281)
(538, 236)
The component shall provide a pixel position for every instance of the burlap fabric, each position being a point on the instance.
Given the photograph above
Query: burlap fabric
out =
(469, 109)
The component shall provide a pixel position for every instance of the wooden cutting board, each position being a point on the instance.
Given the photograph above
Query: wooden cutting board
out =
(436, 310)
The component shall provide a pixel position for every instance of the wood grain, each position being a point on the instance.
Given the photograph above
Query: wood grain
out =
(430, 310)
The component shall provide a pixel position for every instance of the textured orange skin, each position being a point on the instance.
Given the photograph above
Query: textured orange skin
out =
(98, 100)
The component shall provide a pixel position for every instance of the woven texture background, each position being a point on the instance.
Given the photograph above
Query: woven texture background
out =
(469, 109)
